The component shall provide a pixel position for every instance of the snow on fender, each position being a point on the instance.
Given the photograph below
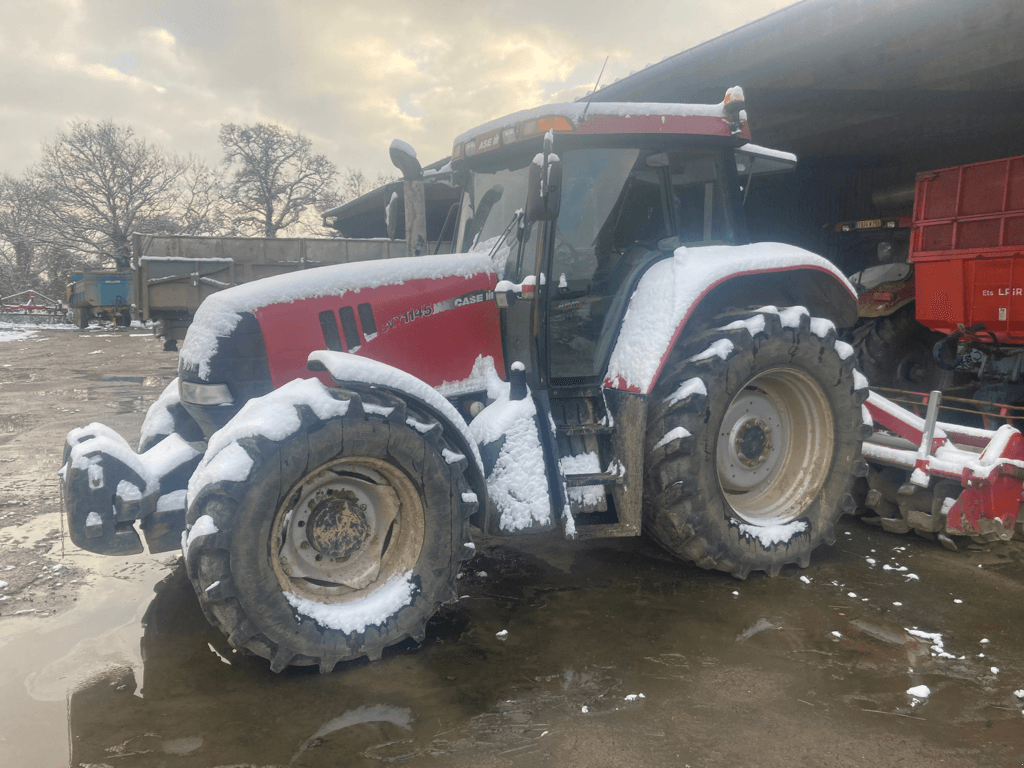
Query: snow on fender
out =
(671, 288)
(347, 368)
(516, 478)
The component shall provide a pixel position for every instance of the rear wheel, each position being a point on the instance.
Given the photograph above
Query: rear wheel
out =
(343, 539)
(753, 438)
(896, 351)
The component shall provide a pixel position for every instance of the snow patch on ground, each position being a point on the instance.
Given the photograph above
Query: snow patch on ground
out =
(920, 691)
(937, 646)
(15, 335)
(356, 616)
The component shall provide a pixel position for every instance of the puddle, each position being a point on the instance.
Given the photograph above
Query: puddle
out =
(565, 654)
(141, 678)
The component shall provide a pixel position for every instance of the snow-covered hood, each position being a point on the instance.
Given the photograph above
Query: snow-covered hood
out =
(219, 314)
(670, 289)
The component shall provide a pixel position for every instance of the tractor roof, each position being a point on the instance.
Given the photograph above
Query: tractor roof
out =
(602, 117)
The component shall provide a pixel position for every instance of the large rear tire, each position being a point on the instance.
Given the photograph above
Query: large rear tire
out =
(754, 436)
(343, 538)
(896, 351)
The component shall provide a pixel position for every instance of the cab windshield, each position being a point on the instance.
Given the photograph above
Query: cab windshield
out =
(489, 202)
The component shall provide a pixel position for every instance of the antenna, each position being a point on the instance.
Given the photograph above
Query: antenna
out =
(593, 92)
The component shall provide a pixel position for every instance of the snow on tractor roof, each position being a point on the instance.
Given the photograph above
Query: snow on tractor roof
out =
(602, 117)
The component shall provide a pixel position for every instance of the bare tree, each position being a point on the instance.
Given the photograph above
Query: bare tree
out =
(19, 235)
(354, 183)
(29, 256)
(103, 183)
(202, 208)
(275, 176)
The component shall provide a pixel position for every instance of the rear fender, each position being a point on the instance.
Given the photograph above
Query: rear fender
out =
(676, 293)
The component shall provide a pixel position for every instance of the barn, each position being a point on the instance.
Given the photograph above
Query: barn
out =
(866, 93)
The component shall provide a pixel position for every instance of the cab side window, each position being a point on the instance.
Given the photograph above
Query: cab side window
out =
(698, 198)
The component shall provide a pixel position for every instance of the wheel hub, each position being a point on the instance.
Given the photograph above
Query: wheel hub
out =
(337, 526)
(775, 446)
(337, 529)
(753, 442)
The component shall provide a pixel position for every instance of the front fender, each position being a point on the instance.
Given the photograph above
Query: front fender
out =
(345, 368)
(673, 290)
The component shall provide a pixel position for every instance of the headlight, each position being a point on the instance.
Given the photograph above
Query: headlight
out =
(204, 394)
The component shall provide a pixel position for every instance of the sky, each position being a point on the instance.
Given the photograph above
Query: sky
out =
(351, 76)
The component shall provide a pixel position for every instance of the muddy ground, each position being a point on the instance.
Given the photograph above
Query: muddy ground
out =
(616, 655)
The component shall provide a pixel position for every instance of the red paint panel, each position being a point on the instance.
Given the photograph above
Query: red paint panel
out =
(692, 124)
(434, 328)
(966, 246)
(997, 498)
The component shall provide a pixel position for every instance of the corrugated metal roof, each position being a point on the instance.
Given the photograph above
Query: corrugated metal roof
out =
(860, 76)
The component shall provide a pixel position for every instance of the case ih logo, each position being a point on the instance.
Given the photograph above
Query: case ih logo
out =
(465, 300)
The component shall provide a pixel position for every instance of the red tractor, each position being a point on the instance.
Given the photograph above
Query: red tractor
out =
(605, 353)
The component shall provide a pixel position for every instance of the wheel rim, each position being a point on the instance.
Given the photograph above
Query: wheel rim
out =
(775, 447)
(345, 528)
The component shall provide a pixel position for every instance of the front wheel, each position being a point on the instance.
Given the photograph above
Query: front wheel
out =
(753, 439)
(344, 536)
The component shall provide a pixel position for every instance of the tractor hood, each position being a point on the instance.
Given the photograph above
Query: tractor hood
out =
(221, 313)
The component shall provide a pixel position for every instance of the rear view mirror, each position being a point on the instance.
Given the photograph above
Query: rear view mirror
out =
(545, 188)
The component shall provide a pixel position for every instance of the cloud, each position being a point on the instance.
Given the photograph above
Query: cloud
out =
(350, 75)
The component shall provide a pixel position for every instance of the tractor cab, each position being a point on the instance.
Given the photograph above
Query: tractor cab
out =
(613, 189)
(578, 201)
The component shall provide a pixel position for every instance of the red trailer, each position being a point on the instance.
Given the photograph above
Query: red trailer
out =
(967, 252)
(967, 246)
